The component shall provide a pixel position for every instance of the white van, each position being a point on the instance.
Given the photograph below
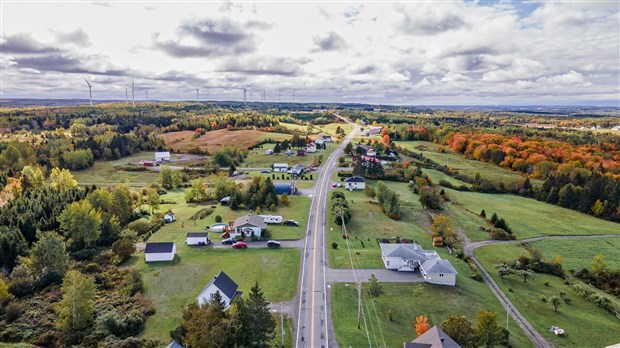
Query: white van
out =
(272, 219)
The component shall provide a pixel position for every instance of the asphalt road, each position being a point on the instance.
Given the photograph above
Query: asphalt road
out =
(313, 313)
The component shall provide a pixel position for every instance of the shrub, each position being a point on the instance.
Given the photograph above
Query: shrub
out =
(218, 219)
(543, 298)
(335, 245)
(547, 284)
(13, 311)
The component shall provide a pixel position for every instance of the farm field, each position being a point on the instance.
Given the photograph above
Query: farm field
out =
(258, 159)
(409, 300)
(211, 141)
(573, 317)
(530, 218)
(577, 253)
(465, 166)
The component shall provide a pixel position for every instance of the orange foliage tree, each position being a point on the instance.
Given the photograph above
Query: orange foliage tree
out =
(421, 325)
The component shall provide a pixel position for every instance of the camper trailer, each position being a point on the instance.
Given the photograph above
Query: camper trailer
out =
(272, 219)
(218, 228)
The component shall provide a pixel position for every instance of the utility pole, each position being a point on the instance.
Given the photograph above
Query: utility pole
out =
(507, 311)
(282, 323)
(359, 303)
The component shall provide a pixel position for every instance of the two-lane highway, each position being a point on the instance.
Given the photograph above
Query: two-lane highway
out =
(313, 313)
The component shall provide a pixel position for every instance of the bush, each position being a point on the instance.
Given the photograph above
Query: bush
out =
(201, 214)
(335, 245)
(543, 298)
(140, 226)
(13, 311)
(218, 219)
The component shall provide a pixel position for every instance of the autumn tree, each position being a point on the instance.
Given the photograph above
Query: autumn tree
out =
(598, 264)
(421, 325)
(429, 199)
(49, 257)
(153, 200)
(4, 291)
(62, 179)
(460, 329)
(488, 332)
(369, 191)
(75, 311)
(442, 226)
(32, 177)
(597, 208)
(374, 288)
(81, 223)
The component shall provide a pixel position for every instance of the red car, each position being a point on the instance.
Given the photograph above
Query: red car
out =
(240, 245)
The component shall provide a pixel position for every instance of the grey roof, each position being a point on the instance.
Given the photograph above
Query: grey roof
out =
(161, 247)
(403, 250)
(285, 165)
(197, 235)
(225, 199)
(250, 219)
(174, 344)
(224, 284)
(439, 266)
(297, 167)
(433, 338)
(355, 179)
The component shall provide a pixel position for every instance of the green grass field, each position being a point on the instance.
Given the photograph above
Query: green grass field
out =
(288, 331)
(602, 327)
(409, 300)
(257, 158)
(577, 253)
(530, 218)
(104, 173)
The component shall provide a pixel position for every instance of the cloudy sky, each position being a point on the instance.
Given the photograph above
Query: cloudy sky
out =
(420, 53)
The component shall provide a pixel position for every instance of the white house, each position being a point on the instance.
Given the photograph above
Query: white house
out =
(268, 151)
(162, 157)
(311, 148)
(411, 257)
(374, 130)
(248, 226)
(280, 167)
(297, 169)
(439, 272)
(319, 141)
(169, 217)
(227, 287)
(371, 152)
(355, 183)
(197, 238)
(160, 251)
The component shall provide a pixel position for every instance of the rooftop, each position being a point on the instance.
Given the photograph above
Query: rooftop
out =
(250, 219)
(224, 284)
(161, 247)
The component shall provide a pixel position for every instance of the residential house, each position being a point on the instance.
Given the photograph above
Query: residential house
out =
(197, 238)
(280, 167)
(319, 141)
(285, 188)
(432, 338)
(162, 157)
(247, 226)
(439, 272)
(410, 257)
(355, 183)
(227, 287)
(310, 148)
(371, 152)
(169, 217)
(297, 170)
(162, 251)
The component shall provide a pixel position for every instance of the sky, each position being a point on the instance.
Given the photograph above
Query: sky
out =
(409, 53)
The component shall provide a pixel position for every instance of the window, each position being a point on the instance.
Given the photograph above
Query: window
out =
(212, 295)
(440, 274)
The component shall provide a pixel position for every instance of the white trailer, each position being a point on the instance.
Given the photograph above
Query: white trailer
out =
(272, 219)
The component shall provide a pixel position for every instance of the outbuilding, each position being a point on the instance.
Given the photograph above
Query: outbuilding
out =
(297, 170)
(162, 157)
(355, 183)
(169, 217)
(162, 251)
(439, 272)
(197, 238)
(285, 188)
(280, 167)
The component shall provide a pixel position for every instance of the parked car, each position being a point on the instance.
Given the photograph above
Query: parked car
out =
(228, 241)
(273, 244)
(334, 185)
(266, 171)
(240, 245)
(291, 223)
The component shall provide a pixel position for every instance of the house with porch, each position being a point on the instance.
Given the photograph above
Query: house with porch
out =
(410, 257)
(247, 226)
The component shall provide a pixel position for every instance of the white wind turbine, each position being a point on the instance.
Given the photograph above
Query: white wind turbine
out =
(90, 92)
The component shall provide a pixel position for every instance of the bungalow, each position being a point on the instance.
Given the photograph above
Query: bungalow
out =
(411, 257)
(297, 170)
(439, 272)
(163, 251)
(162, 157)
(197, 238)
(355, 183)
(301, 152)
(169, 217)
(310, 148)
(280, 167)
(247, 226)
(227, 288)
(432, 338)
(285, 188)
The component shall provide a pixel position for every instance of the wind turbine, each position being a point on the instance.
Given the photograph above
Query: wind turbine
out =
(197, 95)
(146, 92)
(90, 92)
(133, 97)
(126, 96)
(245, 94)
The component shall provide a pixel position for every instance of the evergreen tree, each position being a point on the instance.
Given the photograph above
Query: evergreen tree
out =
(12, 245)
(483, 214)
(374, 288)
(262, 325)
(494, 218)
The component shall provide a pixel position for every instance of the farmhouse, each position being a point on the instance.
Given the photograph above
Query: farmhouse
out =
(247, 226)
(197, 238)
(319, 141)
(227, 287)
(411, 257)
(285, 188)
(355, 183)
(280, 167)
(373, 131)
(297, 169)
(169, 217)
(160, 251)
(433, 338)
(162, 157)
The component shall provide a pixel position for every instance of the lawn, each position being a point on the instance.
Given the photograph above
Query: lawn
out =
(409, 300)
(530, 218)
(577, 253)
(175, 232)
(105, 173)
(465, 166)
(257, 158)
(573, 317)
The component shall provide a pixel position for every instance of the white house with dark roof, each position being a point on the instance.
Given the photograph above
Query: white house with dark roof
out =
(169, 217)
(162, 251)
(355, 183)
(227, 287)
(297, 170)
(433, 338)
(439, 272)
(410, 257)
(197, 238)
(280, 167)
(247, 226)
